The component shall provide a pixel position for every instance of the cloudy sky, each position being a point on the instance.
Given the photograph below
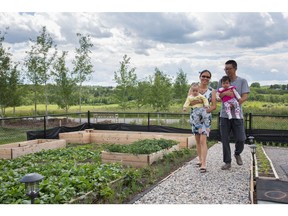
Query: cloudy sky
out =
(191, 41)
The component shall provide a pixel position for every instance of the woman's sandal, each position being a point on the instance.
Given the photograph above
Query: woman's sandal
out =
(198, 164)
(202, 170)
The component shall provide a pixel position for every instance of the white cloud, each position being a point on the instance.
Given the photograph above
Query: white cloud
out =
(273, 70)
(168, 41)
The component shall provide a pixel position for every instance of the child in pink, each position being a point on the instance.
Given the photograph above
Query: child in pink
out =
(227, 100)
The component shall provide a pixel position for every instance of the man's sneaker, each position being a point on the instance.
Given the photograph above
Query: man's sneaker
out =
(226, 166)
(238, 160)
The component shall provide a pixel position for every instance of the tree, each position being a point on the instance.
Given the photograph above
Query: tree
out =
(181, 86)
(141, 93)
(126, 82)
(160, 96)
(82, 63)
(275, 86)
(38, 62)
(255, 85)
(214, 84)
(64, 91)
(14, 84)
(9, 78)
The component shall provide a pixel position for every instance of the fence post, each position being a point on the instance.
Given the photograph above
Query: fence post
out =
(148, 121)
(88, 119)
(246, 124)
(250, 123)
(44, 127)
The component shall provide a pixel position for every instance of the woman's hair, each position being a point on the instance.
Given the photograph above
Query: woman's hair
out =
(204, 71)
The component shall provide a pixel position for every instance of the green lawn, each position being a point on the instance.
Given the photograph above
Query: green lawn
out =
(256, 107)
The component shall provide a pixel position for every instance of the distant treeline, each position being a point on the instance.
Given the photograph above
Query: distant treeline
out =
(100, 95)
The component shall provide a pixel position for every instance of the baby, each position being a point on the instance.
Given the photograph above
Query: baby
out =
(227, 100)
(199, 114)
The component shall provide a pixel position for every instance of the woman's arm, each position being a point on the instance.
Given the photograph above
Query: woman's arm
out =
(213, 102)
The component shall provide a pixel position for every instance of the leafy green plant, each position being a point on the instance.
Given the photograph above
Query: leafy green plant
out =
(68, 173)
(146, 146)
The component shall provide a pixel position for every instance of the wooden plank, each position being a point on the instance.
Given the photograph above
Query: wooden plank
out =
(129, 137)
(138, 160)
(155, 156)
(116, 156)
(42, 145)
(15, 150)
(135, 164)
(5, 153)
(125, 137)
(81, 137)
(18, 144)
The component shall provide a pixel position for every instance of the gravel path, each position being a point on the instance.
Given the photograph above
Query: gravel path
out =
(188, 186)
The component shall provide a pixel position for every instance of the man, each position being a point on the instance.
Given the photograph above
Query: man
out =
(235, 125)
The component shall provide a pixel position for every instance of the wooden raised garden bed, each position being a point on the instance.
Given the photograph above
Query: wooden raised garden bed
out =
(124, 137)
(14, 150)
(136, 160)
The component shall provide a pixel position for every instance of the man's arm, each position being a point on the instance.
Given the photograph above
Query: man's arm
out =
(243, 98)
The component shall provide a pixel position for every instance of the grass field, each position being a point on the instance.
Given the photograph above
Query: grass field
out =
(254, 107)
(275, 121)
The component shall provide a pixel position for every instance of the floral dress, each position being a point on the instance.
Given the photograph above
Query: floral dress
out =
(208, 121)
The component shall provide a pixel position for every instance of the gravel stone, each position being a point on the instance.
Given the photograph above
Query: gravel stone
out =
(188, 186)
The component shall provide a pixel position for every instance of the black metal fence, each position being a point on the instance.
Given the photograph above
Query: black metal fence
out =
(265, 128)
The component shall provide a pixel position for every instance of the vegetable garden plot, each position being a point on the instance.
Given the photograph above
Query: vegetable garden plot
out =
(140, 153)
(68, 173)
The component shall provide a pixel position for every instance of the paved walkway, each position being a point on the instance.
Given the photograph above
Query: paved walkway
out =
(279, 158)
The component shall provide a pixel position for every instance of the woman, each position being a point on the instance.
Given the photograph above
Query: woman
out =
(201, 138)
